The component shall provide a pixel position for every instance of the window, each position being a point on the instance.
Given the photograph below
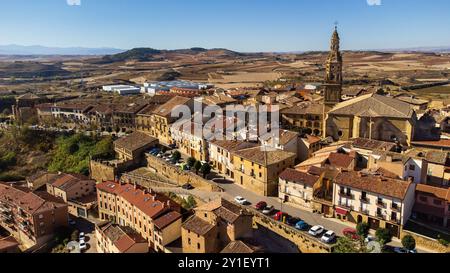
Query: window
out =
(198, 246)
(189, 240)
(41, 216)
(423, 199)
(437, 202)
(412, 167)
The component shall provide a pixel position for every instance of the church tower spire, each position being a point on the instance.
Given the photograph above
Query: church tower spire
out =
(333, 78)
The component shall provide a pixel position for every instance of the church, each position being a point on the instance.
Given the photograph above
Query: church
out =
(370, 116)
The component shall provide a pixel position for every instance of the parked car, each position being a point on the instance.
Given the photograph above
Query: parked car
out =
(369, 239)
(83, 245)
(301, 225)
(292, 221)
(280, 216)
(316, 230)
(240, 200)
(72, 222)
(187, 187)
(268, 210)
(261, 205)
(402, 250)
(328, 237)
(81, 236)
(351, 233)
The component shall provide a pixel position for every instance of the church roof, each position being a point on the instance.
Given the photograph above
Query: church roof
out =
(373, 105)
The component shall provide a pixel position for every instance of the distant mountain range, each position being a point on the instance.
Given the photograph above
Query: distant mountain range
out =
(148, 53)
(43, 50)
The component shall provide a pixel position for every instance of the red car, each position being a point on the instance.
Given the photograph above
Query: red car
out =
(351, 233)
(261, 205)
(280, 216)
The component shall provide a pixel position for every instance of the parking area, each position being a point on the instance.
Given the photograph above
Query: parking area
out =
(87, 227)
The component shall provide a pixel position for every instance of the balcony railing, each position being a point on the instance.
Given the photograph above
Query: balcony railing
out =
(365, 200)
(395, 208)
(381, 204)
(380, 215)
(349, 207)
(365, 211)
(347, 195)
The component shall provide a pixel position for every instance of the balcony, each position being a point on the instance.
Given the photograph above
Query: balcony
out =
(381, 204)
(366, 212)
(395, 208)
(347, 195)
(380, 215)
(348, 207)
(365, 200)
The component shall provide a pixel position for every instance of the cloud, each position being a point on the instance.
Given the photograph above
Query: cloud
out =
(74, 2)
(374, 2)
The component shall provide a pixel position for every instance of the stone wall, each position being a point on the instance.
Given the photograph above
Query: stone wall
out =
(427, 243)
(178, 176)
(105, 171)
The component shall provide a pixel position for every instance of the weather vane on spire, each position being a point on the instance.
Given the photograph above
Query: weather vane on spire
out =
(336, 24)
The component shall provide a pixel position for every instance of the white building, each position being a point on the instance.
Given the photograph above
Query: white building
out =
(123, 90)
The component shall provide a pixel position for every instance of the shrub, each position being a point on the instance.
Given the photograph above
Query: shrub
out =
(362, 229)
(176, 156)
(383, 235)
(205, 169)
(409, 242)
(191, 161)
(197, 166)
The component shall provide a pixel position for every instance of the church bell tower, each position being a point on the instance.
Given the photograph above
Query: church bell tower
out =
(333, 78)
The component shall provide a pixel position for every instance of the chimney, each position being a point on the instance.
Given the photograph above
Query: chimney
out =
(135, 186)
(153, 198)
(168, 203)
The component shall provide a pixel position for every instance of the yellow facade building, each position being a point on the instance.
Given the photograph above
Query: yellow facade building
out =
(257, 169)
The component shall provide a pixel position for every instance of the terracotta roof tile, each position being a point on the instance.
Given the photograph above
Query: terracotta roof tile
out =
(299, 177)
(374, 184)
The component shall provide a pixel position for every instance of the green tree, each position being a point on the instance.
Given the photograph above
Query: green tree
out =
(346, 245)
(362, 229)
(197, 166)
(191, 161)
(176, 156)
(383, 235)
(409, 242)
(205, 169)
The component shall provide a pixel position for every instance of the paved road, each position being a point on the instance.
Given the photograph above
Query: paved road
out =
(232, 190)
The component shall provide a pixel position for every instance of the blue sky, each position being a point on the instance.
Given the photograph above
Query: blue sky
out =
(244, 25)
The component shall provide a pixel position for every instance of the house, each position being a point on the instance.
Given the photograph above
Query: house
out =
(307, 146)
(70, 186)
(73, 113)
(381, 202)
(221, 154)
(31, 217)
(78, 191)
(432, 206)
(287, 141)
(144, 118)
(409, 166)
(214, 226)
(113, 238)
(190, 139)
(416, 104)
(241, 247)
(297, 187)
(144, 211)
(307, 116)
(133, 146)
(372, 116)
(162, 118)
(257, 169)
(39, 180)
